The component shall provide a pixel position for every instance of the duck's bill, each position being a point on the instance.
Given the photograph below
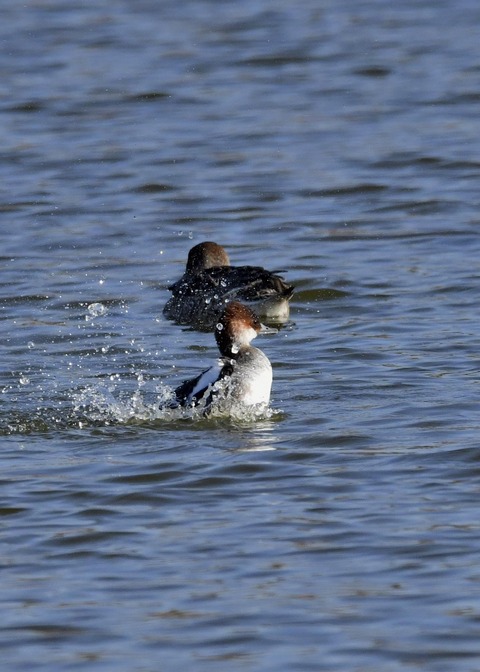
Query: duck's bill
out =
(265, 329)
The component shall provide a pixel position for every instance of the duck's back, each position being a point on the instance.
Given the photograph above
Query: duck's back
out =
(201, 297)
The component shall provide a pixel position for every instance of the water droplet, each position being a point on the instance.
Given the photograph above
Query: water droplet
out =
(97, 309)
(30, 345)
(23, 380)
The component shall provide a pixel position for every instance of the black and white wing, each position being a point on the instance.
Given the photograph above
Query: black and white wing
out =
(190, 392)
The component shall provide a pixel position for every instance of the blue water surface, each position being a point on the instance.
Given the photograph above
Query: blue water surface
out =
(337, 142)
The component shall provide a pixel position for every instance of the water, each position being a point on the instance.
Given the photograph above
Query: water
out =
(338, 141)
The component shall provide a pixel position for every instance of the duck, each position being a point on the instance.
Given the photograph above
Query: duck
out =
(210, 282)
(241, 376)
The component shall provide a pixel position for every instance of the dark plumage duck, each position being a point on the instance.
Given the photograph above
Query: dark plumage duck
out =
(209, 283)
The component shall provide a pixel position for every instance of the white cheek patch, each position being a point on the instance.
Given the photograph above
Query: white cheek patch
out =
(244, 337)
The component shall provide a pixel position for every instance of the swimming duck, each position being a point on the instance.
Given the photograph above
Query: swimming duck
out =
(209, 283)
(243, 373)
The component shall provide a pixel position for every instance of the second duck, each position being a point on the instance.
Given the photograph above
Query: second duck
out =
(209, 283)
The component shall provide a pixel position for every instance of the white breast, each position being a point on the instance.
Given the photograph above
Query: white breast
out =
(252, 377)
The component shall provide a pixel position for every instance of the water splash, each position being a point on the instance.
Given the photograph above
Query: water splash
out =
(100, 403)
(95, 310)
(104, 404)
(78, 397)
